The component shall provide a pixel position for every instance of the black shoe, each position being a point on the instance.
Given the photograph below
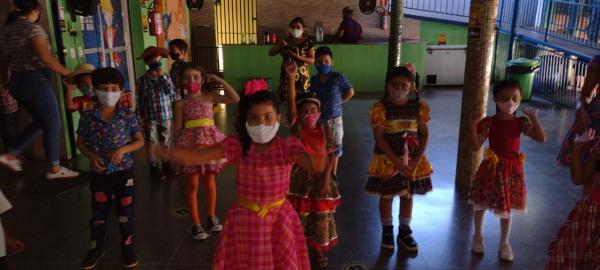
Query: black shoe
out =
(128, 256)
(92, 258)
(156, 171)
(213, 224)
(405, 238)
(387, 237)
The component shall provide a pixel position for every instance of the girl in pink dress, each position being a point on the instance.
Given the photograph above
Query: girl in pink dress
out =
(499, 184)
(195, 128)
(262, 230)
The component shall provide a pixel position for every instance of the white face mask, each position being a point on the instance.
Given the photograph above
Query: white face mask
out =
(296, 33)
(108, 99)
(508, 107)
(398, 94)
(262, 134)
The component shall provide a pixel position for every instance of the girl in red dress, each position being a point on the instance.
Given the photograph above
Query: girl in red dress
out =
(577, 243)
(499, 184)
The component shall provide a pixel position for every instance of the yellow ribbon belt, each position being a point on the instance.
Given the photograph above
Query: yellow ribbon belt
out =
(203, 122)
(261, 210)
(490, 155)
(397, 126)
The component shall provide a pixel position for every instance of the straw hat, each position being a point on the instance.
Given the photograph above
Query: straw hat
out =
(154, 51)
(81, 69)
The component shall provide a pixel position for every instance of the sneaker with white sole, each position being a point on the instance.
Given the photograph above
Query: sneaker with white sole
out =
(62, 173)
(11, 164)
(506, 252)
(477, 245)
(198, 232)
(213, 224)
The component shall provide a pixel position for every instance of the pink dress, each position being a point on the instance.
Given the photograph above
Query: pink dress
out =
(200, 137)
(275, 241)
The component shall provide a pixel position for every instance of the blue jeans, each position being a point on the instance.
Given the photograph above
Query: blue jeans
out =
(33, 90)
(8, 128)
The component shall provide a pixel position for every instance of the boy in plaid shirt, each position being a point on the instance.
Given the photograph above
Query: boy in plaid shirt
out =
(154, 103)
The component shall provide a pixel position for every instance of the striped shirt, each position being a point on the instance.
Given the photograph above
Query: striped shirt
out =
(16, 45)
(155, 97)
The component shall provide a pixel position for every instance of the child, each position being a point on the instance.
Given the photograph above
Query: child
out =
(262, 230)
(81, 78)
(108, 135)
(178, 49)
(577, 243)
(315, 197)
(588, 111)
(154, 98)
(499, 184)
(399, 165)
(332, 89)
(195, 128)
(14, 245)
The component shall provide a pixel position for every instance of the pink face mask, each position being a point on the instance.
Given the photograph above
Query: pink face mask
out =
(311, 119)
(193, 87)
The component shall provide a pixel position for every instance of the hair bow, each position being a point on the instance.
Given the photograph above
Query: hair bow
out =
(255, 85)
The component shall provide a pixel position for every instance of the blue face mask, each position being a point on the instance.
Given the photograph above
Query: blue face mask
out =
(155, 65)
(87, 90)
(324, 69)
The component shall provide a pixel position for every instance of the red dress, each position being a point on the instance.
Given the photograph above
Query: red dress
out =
(577, 243)
(275, 240)
(499, 184)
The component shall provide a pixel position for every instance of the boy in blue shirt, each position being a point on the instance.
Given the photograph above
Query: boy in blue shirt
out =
(332, 89)
(108, 135)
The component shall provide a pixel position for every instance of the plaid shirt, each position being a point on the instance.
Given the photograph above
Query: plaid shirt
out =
(8, 104)
(15, 45)
(155, 97)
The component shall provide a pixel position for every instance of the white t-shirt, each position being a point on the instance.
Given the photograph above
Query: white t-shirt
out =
(4, 206)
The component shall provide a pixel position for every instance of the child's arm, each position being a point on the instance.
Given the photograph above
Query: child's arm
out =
(178, 119)
(477, 139)
(190, 155)
(291, 68)
(314, 164)
(71, 106)
(231, 96)
(348, 95)
(385, 147)
(137, 143)
(537, 131)
(96, 162)
(578, 168)
(327, 174)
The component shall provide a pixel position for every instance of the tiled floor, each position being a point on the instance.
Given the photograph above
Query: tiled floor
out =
(55, 228)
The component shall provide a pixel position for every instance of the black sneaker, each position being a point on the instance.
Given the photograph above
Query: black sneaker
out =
(198, 232)
(92, 258)
(405, 238)
(387, 237)
(213, 224)
(128, 256)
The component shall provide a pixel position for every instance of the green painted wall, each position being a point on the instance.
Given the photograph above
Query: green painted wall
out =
(456, 34)
(364, 65)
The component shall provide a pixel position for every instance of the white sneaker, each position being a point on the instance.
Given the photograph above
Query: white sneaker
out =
(62, 173)
(477, 245)
(506, 252)
(11, 164)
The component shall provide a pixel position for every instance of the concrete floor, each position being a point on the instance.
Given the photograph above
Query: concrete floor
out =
(56, 232)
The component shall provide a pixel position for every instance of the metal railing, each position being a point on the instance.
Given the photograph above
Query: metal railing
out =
(559, 78)
(573, 21)
(446, 10)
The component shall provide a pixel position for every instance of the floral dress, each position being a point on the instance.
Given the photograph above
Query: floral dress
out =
(577, 243)
(262, 230)
(400, 125)
(316, 208)
(302, 75)
(199, 132)
(499, 184)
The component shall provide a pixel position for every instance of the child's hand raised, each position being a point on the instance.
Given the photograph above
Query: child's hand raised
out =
(530, 112)
(291, 68)
(211, 78)
(584, 139)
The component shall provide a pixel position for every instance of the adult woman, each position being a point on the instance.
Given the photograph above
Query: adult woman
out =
(25, 51)
(300, 49)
